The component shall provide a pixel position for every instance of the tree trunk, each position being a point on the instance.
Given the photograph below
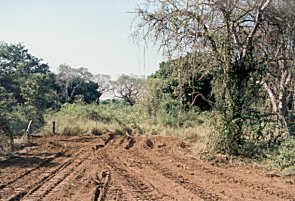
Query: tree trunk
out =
(278, 100)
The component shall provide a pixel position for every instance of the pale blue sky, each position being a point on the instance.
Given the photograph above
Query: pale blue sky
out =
(82, 33)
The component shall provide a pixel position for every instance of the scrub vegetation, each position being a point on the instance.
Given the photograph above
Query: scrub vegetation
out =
(227, 87)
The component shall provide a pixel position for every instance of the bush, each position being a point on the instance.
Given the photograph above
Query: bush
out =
(20, 117)
(96, 131)
(181, 120)
(98, 116)
(71, 131)
(286, 158)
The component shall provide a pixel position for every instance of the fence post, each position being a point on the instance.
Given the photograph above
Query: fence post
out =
(28, 131)
(53, 127)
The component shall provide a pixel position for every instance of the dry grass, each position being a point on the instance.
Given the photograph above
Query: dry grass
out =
(74, 120)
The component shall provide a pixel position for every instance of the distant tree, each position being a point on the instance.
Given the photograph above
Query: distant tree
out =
(127, 87)
(103, 81)
(86, 91)
(76, 83)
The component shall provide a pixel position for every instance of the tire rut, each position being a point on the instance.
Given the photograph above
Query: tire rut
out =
(27, 172)
(19, 187)
(102, 185)
(234, 180)
(138, 189)
(179, 179)
(56, 178)
(21, 193)
(116, 193)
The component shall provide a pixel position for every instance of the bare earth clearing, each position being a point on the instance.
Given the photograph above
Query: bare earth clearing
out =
(129, 168)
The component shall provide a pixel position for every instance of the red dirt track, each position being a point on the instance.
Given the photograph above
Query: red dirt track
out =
(129, 168)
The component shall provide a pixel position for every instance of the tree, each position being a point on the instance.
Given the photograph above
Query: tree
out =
(16, 60)
(103, 81)
(16, 66)
(24, 76)
(6, 106)
(232, 34)
(185, 82)
(25, 90)
(126, 87)
(279, 40)
(76, 83)
(38, 91)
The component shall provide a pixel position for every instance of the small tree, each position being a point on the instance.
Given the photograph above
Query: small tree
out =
(127, 87)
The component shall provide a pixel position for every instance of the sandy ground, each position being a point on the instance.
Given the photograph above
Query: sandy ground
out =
(129, 168)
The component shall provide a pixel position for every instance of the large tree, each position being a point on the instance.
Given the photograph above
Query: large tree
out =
(233, 34)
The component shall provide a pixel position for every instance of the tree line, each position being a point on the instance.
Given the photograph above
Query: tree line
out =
(28, 88)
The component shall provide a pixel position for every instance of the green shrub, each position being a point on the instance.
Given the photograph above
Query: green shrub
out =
(286, 158)
(181, 119)
(20, 117)
(98, 116)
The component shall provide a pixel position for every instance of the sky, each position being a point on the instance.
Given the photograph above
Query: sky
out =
(95, 34)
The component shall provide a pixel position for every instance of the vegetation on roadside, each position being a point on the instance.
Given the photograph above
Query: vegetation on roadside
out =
(120, 117)
(228, 84)
(285, 159)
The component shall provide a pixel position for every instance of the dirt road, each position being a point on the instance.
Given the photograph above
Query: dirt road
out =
(129, 168)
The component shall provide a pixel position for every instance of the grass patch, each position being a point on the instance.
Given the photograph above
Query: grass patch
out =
(74, 119)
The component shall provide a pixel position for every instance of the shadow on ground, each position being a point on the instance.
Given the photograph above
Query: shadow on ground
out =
(26, 161)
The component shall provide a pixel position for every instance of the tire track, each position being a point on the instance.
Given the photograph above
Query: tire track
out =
(25, 173)
(18, 187)
(116, 193)
(40, 177)
(47, 185)
(181, 180)
(229, 178)
(139, 190)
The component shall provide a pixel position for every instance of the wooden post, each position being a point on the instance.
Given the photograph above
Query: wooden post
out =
(53, 127)
(28, 131)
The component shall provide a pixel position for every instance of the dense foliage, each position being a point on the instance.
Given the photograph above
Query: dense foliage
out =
(25, 89)
(250, 50)
(28, 88)
(184, 82)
